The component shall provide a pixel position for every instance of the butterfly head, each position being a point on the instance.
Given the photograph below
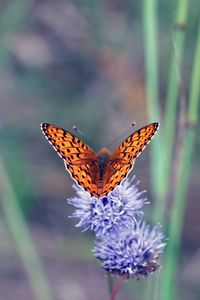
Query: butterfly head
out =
(103, 156)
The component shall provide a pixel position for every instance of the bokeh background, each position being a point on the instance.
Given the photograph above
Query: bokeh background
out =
(77, 63)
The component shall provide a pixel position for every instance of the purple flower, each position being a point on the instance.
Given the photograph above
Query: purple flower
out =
(133, 253)
(119, 210)
(125, 244)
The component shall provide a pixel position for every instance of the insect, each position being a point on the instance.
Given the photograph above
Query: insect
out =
(98, 173)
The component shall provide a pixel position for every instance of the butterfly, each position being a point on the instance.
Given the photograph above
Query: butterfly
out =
(98, 173)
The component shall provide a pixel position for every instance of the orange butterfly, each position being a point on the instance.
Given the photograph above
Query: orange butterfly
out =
(98, 173)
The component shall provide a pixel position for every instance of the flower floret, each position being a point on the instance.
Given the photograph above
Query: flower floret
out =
(134, 253)
(120, 209)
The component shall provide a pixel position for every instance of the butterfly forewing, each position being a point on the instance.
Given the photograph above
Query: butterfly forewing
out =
(129, 149)
(67, 145)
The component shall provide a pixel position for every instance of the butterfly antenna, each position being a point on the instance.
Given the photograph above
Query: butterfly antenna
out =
(124, 133)
(81, 133)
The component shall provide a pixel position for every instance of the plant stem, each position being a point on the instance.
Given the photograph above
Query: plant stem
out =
(110, 284)
(116, 288)
(151, 66)
(173, 89)
(152, 88)
(22, 238)
(178, 210)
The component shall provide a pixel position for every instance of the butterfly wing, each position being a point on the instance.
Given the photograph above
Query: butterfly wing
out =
(123, 158)
(82, 174)
(116, 173)
(79, 158)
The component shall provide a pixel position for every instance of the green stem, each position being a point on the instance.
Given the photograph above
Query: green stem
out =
(22, 238)
(151, 66)
(178, 210)
(173, 89)
(151, 61)
(152, 89)
(193, 108)
(176, 219)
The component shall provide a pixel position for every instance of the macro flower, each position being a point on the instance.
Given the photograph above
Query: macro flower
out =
(133, 253)
(119, 210)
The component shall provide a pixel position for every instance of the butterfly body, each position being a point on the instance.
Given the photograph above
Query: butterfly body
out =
(98, 173)
(103, 158)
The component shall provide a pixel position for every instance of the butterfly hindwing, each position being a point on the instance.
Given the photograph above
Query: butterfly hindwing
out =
(83, 176)
(117, 172)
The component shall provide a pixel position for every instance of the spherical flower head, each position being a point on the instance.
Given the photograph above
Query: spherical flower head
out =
(120, 209)
(134, 253)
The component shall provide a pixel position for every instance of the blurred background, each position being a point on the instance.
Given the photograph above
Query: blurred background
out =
(76, 63)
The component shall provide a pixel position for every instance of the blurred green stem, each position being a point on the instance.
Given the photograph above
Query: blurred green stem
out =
(178, 209)
(151, 66)
(22, 238)
(152, 89)
(180, 23)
